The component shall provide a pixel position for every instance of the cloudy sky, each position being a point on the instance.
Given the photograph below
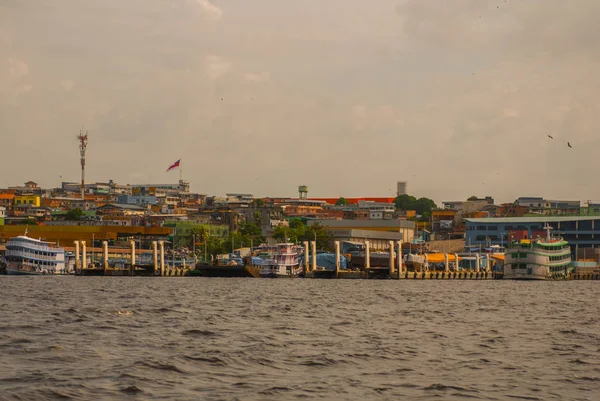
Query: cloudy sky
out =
(456, 97)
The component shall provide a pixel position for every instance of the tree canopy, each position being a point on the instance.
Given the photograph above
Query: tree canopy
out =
(341, 201)
(421, 205)
(299, 232)
(74, 214)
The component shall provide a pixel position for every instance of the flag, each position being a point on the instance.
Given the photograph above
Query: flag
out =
(176, 164)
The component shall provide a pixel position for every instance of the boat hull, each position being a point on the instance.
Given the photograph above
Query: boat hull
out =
(226, 271)
(13, 271)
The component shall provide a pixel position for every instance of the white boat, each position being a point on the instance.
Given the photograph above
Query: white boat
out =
(284, 262)
(29, 256)
(415, 262)
(540, 259)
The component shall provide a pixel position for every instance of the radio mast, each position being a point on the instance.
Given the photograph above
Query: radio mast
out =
(83, 139)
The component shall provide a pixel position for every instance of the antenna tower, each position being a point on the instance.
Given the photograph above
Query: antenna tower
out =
(83, 139)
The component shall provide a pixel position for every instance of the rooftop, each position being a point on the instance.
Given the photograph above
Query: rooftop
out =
(545, 219)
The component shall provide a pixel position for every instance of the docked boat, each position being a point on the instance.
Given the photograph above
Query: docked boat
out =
(29, 256)
(415, 262)
(284, 263)
(540, 259)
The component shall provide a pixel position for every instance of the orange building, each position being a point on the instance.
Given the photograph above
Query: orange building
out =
(7, 200)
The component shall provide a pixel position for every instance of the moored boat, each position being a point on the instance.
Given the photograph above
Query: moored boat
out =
(284, 263)
(539, 259)
(29, 256)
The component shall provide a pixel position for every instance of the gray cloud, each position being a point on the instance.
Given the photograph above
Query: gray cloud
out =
(345, 96)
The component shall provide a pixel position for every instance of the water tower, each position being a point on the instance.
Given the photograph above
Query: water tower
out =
(302, 192)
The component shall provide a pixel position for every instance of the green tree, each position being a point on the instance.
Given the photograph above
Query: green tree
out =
(341, 201)
(299, 232)
(74, 214)
(405, 202)
(424, 205)
(421, 205)
(472, 198)
(200, 233)
(258, 203)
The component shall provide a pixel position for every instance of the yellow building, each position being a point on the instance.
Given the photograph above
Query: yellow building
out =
(32, 200)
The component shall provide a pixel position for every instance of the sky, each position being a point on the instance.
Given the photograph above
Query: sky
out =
(455, 97)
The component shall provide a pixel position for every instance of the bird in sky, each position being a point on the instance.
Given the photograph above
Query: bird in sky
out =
(550, 136)
(569, 145)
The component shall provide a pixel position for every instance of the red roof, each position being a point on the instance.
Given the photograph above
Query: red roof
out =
(354, 201)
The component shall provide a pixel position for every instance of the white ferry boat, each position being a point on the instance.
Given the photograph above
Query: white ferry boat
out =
(30, 256)
(284, 263)
(540, 259)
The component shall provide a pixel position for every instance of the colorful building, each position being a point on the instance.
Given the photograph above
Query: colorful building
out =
(31, 200)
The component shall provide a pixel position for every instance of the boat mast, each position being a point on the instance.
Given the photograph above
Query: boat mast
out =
(547, 228)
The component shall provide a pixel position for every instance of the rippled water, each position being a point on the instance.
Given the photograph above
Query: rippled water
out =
(252, 339)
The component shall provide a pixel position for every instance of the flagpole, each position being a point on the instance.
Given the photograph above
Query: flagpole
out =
(180, 170)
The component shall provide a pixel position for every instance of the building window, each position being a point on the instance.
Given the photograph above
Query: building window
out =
(481, 228)
(492, 228)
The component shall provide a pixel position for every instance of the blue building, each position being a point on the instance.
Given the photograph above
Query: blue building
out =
(139, 200)
(580, 231)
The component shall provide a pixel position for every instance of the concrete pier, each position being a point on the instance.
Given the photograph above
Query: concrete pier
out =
(77, 257)
(306, 255)
(391, 258)
(337, 259)
(132, 244)
(162, 258)
(314, 255)
(399, 258)
(84, 264)
(155, 257)
(105, 254)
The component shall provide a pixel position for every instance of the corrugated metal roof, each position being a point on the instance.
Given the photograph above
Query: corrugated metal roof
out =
(545, 219)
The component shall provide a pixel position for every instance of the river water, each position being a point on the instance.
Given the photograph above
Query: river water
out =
(92, 338)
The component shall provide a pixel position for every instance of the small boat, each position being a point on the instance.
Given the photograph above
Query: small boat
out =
(415, 262)
(29, 256)
(284, 262)
(540, 259)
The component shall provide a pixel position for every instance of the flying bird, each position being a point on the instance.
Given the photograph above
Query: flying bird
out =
(550, 136)
(569, 145)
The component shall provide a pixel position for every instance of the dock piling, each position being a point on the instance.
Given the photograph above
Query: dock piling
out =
(337, 259)
(306, 264)
(155, 256)
(367, 255)
(83, 255)
(132, 244)
(77, 259)
(314, 255)
(391, 258)
(477, 263)
(399, 258)
(446, 263)
(162, 258)
(105, 254)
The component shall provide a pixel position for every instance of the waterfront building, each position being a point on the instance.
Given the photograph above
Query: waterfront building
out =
(2, 215)
(405, 227)
(578, 231)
